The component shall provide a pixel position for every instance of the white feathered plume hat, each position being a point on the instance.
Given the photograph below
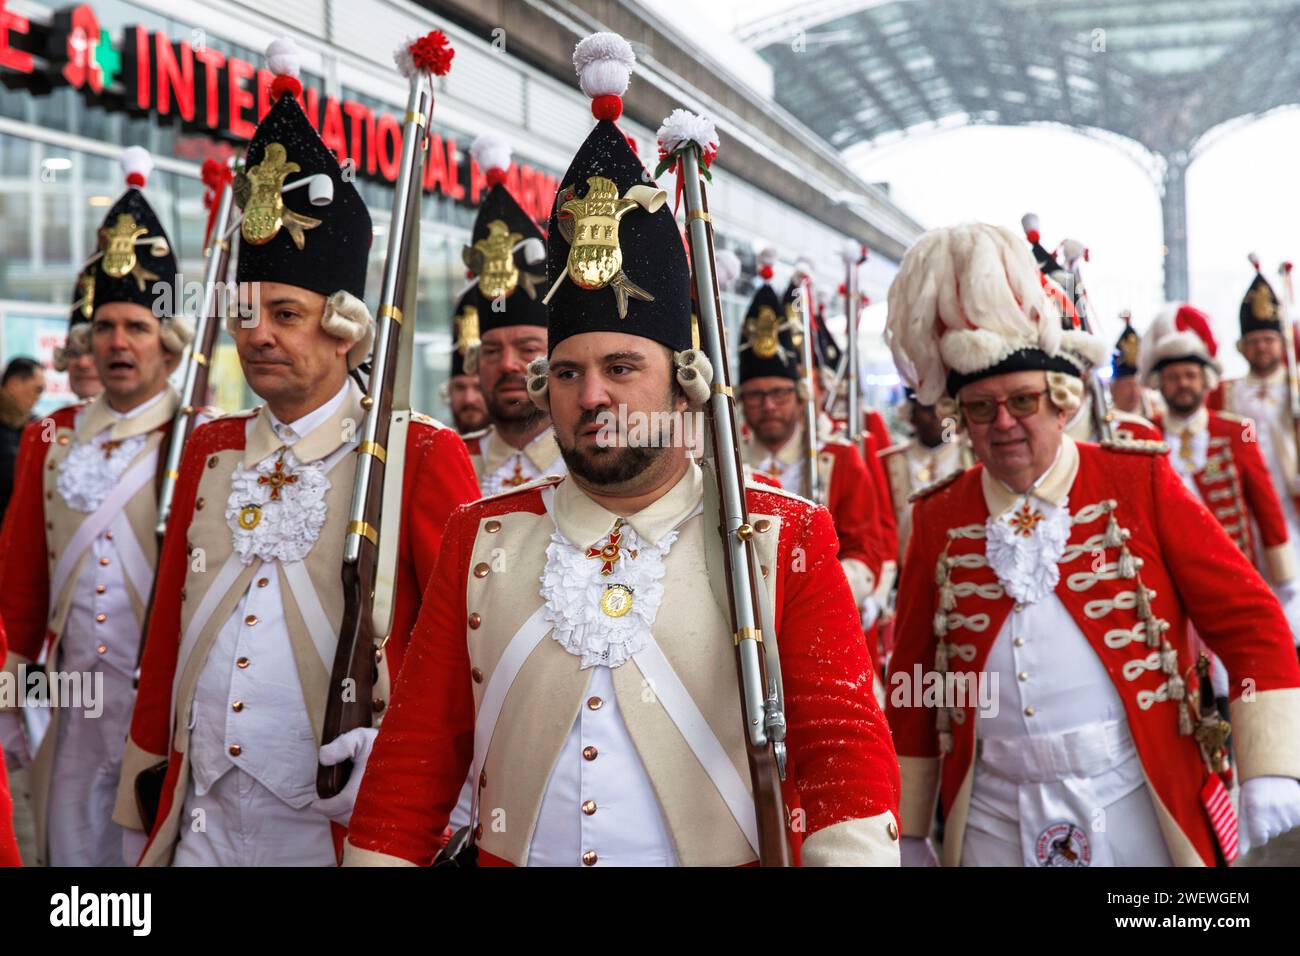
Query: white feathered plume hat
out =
(1179, 333)
(968, 303)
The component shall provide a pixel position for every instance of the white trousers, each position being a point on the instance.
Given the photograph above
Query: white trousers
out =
(239, 822)
(83, 782)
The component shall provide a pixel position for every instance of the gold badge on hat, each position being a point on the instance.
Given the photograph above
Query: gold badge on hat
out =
(1263, 305)
(590, 226)
(492, 259)
(117, 247)
(763, 332)
(467, 330)
(258, 190)
(86, 304)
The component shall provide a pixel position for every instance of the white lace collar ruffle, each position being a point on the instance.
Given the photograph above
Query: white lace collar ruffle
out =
(604, 618)
(276, 508)
(92, 468)
(1025, 543)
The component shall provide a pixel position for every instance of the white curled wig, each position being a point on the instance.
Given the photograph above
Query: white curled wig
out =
(966, 299)
(345, 317)
(692, 368)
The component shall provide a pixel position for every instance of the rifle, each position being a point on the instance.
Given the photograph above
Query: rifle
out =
(756, 661)
(369, 571)
(1288, 343)
(803, 302)
(853, 255)
(194, 384)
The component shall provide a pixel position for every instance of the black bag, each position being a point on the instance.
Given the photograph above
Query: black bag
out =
(148, 793)
(461, 850)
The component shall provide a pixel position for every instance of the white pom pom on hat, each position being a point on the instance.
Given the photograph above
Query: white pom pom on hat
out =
(283, 58)
(491, 152)
(604, 62)
(726, 267)
(136, 165)
(851, 252)
(767, 256)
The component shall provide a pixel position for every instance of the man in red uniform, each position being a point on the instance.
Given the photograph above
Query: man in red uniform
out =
(1042, 682)
(600, 712)
(501, 327)
(242, 639)
(773, 396)
(1216, 454)
(79, 544)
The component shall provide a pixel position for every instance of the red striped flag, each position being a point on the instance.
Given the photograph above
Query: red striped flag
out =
(1223, 818)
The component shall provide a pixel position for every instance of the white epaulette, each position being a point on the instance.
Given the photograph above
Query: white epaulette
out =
(926, 490)
(751, 485)
(543, 482)
(1142, 446)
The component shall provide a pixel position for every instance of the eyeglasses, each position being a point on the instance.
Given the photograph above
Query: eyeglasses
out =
(779, 396)
(1021, 405)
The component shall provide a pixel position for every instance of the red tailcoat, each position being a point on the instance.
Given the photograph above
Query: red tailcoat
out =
(437, 479)
(1236, 486)
(1192, 572)
(841, 763)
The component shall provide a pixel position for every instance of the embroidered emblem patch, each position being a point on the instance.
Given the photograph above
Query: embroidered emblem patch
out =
(1063, 844)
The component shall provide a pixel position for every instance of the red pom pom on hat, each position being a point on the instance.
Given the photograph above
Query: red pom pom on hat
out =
(766, 272)
(495, 177)
(286, 85)
(607, 107)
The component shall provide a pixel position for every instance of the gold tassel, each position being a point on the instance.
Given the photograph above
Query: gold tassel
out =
(1113, 538)
(940, 625)
(1168, 660)
(1177, 689)
(947, 599)
(1126, 566)
(941, 657)
(1184, 722)
(1144, 604)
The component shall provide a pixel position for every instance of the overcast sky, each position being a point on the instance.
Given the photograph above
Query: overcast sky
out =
(1242, 194)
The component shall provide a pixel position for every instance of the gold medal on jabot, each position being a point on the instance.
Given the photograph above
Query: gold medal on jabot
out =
(250, 516)
(617, 600)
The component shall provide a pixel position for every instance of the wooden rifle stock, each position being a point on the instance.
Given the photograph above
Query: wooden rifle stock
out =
(359, 652)
(759, 685)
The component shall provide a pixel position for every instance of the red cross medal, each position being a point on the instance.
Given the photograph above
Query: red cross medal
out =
(609, 552)
(517, 479)
(110, 447)
(277, 479)
(1025, 520)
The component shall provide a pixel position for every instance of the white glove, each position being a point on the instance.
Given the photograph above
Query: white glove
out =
(1288, 595)
(916, 851)
(13, 740)
(870, 612)
(355, 745)
(133, 844)
(1270, 806)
